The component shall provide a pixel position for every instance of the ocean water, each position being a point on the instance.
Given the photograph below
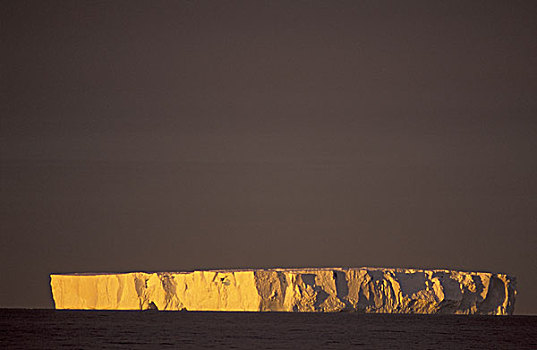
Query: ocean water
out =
(54, 329)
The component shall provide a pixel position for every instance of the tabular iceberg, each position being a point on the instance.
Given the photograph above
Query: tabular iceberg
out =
(368, 290)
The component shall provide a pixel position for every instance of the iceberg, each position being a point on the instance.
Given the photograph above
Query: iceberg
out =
(364, 289)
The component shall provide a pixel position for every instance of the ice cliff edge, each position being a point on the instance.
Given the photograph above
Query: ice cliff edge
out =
(369, 290)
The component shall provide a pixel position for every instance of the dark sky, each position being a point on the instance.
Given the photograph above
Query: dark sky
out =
(186, 135)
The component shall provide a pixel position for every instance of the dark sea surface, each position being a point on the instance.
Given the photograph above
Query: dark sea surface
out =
(52, 329)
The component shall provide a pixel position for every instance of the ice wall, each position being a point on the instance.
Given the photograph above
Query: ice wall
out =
(369, 290)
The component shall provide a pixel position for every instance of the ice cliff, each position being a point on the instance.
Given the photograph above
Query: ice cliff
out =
(369, 290)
